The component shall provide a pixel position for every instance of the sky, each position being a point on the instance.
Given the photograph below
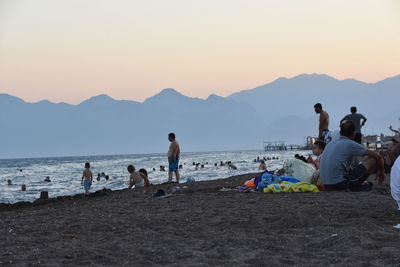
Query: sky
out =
(68, 51)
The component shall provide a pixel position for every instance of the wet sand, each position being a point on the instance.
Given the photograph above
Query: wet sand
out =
(203, 226)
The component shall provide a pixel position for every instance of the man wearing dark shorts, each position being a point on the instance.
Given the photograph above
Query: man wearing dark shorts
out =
(173, 158)
(356, 118)
(337, 158)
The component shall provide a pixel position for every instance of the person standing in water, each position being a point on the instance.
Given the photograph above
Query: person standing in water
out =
(87, 178)
(173, 158)
(323, 129)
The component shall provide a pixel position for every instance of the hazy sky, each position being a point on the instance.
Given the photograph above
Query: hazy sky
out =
(71, 50)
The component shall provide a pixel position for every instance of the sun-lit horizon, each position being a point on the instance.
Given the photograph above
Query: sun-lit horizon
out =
(68, 51)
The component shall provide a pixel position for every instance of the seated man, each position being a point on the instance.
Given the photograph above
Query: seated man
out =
(338, 156)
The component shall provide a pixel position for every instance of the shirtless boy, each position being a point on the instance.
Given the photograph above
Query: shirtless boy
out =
(87, 178)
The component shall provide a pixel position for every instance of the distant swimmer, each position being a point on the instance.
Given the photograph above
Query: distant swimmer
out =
(23, 187)
(47, 179)
(221, 164)
(216, 164)
(262, 166)
(107, 177)
(87, 178)
(323, 128)
(180, 166)
(173, 155)
(231, 166)
(162, 168)
(9, 182)
(98, 177)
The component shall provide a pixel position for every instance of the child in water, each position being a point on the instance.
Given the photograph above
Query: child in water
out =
(87, 178)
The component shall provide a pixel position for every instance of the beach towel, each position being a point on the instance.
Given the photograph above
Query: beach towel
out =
(290, 187)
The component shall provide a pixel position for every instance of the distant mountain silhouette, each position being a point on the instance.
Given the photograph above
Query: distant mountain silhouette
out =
(102, 125)
(281, 110)
(297, 96)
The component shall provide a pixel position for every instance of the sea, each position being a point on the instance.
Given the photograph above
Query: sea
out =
(66, 172)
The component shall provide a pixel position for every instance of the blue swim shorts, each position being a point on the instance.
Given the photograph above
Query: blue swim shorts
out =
(87, 184)
(174, 165)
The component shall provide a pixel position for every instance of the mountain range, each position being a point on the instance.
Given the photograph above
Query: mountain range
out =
(281, 110)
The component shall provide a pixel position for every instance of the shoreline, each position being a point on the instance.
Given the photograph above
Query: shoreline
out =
(204, 226)
(106, 192)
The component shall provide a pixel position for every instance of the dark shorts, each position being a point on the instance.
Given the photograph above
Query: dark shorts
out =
(356, 181)
(173, 165)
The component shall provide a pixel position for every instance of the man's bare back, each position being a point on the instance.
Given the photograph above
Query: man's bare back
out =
(87, 174)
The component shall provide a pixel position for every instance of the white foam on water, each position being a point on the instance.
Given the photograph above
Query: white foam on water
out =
(65, 173)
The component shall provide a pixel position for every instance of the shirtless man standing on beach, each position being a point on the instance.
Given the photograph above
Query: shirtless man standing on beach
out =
(323, 129)
(173, 158)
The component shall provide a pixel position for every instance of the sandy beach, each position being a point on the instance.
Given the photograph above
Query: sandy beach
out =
(204, 226)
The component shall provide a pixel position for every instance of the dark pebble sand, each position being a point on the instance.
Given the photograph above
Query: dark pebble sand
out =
(203, 226)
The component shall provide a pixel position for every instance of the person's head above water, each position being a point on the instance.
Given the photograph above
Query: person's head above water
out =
(9, 182)
(318, 108)
(353, 110)
(171, 137)
(131, 168)
(348, 129)
(87, 165)
(318, 147)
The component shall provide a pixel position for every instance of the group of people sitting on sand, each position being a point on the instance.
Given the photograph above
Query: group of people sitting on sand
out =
(343, 163)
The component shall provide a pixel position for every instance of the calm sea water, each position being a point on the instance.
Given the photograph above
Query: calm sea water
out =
(65, 173)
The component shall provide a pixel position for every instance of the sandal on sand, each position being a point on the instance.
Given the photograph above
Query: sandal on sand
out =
(224, 189)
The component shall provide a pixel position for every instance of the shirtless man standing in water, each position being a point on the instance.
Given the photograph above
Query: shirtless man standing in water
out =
(173, 158)
(323, 130)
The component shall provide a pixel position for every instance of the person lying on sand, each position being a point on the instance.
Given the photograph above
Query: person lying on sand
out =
(87, 178)
(135, 178)
(337, 158)
(395, 181)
